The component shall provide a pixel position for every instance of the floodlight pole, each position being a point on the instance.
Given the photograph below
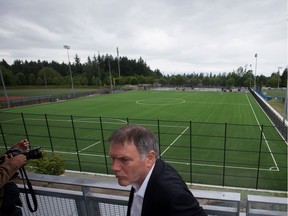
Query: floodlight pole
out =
(278, 76)
(118, 61)
(251, 71)
(110, 75)
(255, 72)
(71, 78)
(4, 88)
(98, 63)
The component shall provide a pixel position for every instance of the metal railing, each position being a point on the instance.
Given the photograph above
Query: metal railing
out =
(84, 201)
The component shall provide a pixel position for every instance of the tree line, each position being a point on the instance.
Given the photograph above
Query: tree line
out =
(102, 70)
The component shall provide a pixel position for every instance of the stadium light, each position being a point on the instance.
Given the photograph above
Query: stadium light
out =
(4, 88)
(71, 78)
(279, 75)
(118, 62)
(255, 72)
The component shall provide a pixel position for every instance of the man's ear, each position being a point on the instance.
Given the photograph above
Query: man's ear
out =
(151, 156)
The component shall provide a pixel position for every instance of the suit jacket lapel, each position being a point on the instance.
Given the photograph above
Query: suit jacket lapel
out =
(149, 193)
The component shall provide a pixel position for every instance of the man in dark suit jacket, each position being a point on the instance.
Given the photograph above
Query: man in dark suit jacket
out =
(157, 188)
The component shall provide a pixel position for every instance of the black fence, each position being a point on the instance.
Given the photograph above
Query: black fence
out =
(223, 154)
(25, 101)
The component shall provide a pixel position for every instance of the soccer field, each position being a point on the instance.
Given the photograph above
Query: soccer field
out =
(217, 138)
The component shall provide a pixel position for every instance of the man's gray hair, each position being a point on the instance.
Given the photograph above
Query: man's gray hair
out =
(143, 138)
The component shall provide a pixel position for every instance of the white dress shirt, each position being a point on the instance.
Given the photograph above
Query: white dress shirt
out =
(139, 193)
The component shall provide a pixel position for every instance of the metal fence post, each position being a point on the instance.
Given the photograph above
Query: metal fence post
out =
(49, 134)
(158, 124)
(76, 144)
(259, 157)
(2, 134)
(224, 156)
(25, 128)
(190, 141)
(103, 143)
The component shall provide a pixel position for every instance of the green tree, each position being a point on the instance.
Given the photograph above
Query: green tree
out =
(49, 76)
(20, 78)
(273, 80)
(8, 76)
(77, 67)
(284, 78)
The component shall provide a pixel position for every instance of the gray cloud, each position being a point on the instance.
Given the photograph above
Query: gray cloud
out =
(174, 36)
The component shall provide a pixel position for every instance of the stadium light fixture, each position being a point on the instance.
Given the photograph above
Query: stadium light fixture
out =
(71, 78)
(278, 76)
(255, 71)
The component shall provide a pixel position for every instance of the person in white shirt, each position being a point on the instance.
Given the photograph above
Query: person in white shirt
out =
(157, 188)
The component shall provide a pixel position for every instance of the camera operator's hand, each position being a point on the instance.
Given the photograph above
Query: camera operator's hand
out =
(18, 161)
(22, 145)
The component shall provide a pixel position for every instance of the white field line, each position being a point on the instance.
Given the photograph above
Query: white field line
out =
(221, 166)
(267, 144)
(75, 153)
(11, 120)
(81, 121)
(175, 162)
(175, 140)
(89, 146)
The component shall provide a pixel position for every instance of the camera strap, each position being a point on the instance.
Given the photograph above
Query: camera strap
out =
(32, 192)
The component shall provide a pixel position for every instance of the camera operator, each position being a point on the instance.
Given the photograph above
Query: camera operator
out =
(9, 192)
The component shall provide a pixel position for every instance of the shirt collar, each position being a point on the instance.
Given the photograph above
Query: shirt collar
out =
(141, 191)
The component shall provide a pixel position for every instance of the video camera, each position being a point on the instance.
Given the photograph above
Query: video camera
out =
(35, 153)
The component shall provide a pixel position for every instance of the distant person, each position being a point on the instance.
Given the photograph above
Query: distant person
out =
(9, 192)
(157, 188)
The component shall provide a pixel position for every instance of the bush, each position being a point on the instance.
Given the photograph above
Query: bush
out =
(52, 165)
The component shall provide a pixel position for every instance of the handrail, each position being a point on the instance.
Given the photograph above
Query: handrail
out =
(87, 202)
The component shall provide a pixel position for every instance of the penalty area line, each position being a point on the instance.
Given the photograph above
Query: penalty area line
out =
(272, 169)
(89, 146)
(175, 140)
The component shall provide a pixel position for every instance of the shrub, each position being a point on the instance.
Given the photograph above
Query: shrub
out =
(51, 165)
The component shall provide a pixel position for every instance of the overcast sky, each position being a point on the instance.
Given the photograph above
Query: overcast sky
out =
(174, 36)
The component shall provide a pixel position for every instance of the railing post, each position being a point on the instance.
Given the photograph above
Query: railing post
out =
(92, 208)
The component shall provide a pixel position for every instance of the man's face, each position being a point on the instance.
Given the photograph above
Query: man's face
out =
(128, 165)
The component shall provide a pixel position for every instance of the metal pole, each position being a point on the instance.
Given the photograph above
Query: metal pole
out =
(110, 76)
(71, 78)
(118, 62)
(278, 76)
(98, 63)
(251, 78)
(255, 72)
(5, 91)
